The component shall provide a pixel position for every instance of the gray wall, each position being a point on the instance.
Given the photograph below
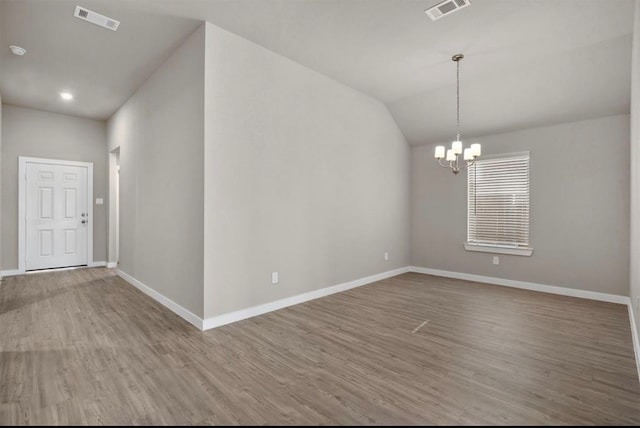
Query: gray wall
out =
(2, 46)
(160, 133)
(635, 169)
(36, 133)
(579, 208)
(303, 176)
(0, 183)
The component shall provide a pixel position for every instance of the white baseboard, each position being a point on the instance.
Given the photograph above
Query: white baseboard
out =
(96, 264)
(253, 311)
(635, 337)
(11, 272)
(163, 300)
(593, 295)
(228, 318)
(112, 264)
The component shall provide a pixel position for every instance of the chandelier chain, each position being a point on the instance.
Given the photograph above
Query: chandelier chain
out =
(458, 99)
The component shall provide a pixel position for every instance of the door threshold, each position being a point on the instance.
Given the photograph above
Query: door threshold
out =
(55, 269)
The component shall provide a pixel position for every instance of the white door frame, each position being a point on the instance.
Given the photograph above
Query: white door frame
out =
(113, 256)
(22, 204)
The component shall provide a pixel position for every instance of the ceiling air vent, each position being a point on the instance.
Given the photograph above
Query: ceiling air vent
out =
(445, 8)
(98, 19)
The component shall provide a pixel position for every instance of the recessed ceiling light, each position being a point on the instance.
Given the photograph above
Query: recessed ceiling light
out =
(17, 50)
(66, 96)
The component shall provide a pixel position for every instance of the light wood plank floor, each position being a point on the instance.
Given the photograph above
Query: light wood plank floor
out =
(84, 347)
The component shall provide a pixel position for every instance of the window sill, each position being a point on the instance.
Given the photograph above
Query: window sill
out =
(500, 250)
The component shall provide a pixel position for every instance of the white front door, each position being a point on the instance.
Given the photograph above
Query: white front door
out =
(56, 215)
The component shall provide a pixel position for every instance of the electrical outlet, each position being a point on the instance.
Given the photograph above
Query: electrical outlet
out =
(496, 260)
(386, 255)
(274, 277)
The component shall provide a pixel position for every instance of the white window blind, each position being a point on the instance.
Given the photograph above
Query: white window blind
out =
(498, 201)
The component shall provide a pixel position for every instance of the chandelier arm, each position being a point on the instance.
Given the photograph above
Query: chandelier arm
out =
(466, 164)
(444, 166)
(456, 166)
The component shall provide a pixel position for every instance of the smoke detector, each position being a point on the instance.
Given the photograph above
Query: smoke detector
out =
(446, 7)
(17, 50)
(96, 18)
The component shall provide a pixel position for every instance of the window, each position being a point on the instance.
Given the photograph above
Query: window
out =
(498, 205)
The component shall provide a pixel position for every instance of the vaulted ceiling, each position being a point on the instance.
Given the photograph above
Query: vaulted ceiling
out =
(527, 62)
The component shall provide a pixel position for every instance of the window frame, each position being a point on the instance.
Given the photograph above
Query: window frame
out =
(500, 248)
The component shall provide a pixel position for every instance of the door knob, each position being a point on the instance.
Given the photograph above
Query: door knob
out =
(83, 214)
(83, 221)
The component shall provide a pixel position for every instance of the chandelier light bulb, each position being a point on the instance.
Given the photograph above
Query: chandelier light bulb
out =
(456, 146)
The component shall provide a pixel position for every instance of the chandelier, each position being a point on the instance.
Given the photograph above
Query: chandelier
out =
(470, 154)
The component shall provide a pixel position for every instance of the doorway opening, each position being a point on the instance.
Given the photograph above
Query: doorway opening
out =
(114, 208)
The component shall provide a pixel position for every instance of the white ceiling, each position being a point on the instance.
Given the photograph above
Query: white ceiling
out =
(527, 62)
